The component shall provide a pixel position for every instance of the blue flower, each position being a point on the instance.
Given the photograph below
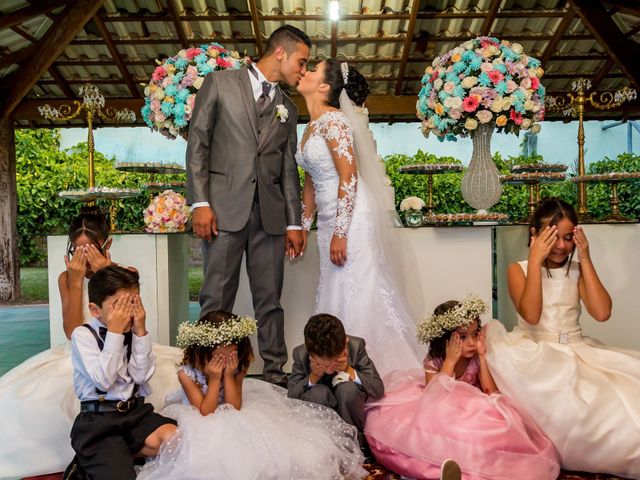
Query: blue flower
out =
(182, 95)
(204, 69)
(475, 63)
(202, 58)
(181, 63)
(519, 107)
(166, 108)
(469, 55)
(519, 95)
(452, 77)
(459, 67)
(501, 87)
(170, 90)
(146, 112)
(442, 95)
(484, 80)
(534, 62)
(458, 91)
(501, 67)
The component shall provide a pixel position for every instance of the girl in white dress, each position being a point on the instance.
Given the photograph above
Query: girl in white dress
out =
(230, 427)
(583, 394)
(37, 397)
(344, 183)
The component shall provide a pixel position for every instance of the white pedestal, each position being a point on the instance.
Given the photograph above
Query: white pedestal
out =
(164, 288)
(615, 254)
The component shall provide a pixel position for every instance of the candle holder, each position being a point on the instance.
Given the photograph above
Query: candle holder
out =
(574, 104)
(431, 169)
(92, 105)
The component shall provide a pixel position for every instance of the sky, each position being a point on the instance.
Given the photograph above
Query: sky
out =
(557, 142)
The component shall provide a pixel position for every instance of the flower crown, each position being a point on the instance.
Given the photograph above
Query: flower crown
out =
(434, 326)
(207, 335)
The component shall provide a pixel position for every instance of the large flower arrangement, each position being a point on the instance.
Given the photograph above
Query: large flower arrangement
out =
(167, 213)
(171, 93)
(481, 81)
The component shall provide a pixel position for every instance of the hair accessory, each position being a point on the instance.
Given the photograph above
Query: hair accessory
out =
(207, 335)
(344, 67)
(434, 326)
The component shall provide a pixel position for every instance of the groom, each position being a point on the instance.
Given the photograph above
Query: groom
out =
(243, 185)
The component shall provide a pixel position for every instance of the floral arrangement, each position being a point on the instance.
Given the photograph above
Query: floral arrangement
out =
(481, 81)
(207, 335)
(411, 203)
(167, 213)
(434, 326)
(171, 93)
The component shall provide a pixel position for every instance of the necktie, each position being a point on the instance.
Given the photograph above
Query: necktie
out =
(264, 100)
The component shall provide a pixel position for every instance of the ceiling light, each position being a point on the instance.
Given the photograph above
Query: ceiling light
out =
(334, 6)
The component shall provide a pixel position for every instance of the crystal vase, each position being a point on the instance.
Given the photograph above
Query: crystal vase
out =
(481, 187)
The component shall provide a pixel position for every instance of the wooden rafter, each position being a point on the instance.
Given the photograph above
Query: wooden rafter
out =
(334, 38)
(491, 16)
(19, 16)
(557, 37)
(18, 57)
(255, 21)
(113, 50)
(406, 48)
(609, 36)
(625, 7)
(24, 34)
(52, 44)
(177, 24)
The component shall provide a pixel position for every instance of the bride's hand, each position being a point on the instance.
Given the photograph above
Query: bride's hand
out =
(338, 250)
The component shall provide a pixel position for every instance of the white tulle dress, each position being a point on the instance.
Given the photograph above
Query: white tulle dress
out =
(39, 405)
(361, 293)
(584, 395)
(271, 437)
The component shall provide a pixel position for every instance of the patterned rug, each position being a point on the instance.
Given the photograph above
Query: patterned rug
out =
(378, 472)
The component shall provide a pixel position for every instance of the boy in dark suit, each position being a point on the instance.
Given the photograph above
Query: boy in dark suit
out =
(334, 370)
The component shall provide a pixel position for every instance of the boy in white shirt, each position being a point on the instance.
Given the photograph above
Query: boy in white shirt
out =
(113, 362)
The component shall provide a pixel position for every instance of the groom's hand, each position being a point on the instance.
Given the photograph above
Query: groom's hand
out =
(294, 243)
(204, 223)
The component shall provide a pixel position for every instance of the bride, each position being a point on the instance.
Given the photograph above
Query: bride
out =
(345, 184)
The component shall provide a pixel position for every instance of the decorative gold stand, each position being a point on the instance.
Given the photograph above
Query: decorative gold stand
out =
(93, 194)
(431, 169)
(612, 179)
(575, 104)
(153, 169)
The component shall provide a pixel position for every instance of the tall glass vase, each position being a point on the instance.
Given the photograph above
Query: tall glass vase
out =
(481, 187)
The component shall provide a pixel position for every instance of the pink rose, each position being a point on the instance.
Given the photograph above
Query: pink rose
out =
(525, 83)
(455, 113)
(511, 86)
(486, 67)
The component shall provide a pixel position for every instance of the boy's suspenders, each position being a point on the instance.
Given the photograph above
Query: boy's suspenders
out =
(101, 346)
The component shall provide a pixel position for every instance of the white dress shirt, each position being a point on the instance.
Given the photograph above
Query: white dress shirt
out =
(256, 87)
(108, 370)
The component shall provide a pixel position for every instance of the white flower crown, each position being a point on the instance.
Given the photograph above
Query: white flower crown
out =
(434, 326)
(207, 335)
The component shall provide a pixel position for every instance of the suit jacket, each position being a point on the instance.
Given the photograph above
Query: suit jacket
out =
(227, 159)
(358, 359)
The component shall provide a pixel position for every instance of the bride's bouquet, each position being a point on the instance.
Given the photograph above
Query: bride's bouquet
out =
(481, 81)
(171, 93)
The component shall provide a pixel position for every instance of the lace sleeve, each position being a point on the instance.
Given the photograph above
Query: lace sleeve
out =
(339, 137)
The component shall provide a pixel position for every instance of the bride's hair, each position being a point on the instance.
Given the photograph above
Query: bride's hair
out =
(356, 86)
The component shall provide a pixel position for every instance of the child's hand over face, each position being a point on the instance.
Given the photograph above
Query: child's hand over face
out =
(582, 244)
(214, 368)
(542, 244)
(121, 315)
(231, 364)
(95, 257)
(342, 363)
(481, 345)
(139, 317)
(76, 268)
(317, 370)
(454, 348)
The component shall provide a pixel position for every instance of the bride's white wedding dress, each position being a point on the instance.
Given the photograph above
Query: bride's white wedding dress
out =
(361, 293)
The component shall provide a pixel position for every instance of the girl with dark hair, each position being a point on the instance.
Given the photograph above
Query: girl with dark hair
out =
(584, 395)
(455, 410)
(345, 184)
(39, 392)
(231, 427)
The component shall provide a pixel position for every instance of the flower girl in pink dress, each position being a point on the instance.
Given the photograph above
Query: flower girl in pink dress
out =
(456, 410)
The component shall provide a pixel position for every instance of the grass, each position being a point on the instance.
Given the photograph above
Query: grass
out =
(34, 284)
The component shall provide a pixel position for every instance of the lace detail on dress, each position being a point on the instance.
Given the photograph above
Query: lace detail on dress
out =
(335, 128)
(306, 221)
(197, 376)
(346, 204)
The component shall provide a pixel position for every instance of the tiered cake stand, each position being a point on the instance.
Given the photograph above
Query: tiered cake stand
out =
(431, 169)
(612, 179)
(533, 175)
(102, 193)
(153, 169)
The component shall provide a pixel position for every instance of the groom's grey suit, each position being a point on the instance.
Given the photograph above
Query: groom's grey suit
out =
(241, 161)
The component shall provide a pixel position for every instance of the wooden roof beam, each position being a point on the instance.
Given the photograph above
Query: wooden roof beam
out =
(622, 50)
(19, 16)
(18, 56)
(51, 46)
(408, 39)
(490, 17)
(177, 24)
(625, 7)
(557, 37)
(255, 22)
(113, 50)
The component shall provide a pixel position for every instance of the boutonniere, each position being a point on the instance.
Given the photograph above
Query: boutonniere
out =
(282, 113)
(340, 378)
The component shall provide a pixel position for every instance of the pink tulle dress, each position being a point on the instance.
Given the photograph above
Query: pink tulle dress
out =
(414, 428)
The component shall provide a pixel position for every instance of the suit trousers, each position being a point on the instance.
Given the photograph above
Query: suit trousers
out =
(222, 259)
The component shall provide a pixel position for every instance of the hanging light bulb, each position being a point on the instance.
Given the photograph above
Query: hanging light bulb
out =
(334, 6)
